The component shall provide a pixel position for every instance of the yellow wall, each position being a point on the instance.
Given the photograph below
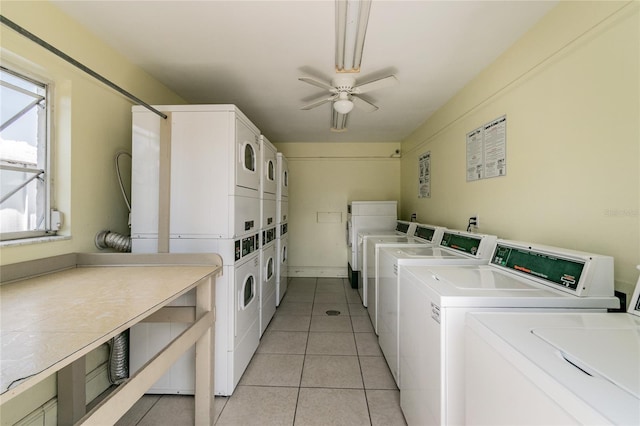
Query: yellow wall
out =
(92, 122)
(324, 177)
(570, 90)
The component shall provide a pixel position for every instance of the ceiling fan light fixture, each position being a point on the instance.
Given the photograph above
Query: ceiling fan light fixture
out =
(343, 106)
(352, 17)
(338, 121)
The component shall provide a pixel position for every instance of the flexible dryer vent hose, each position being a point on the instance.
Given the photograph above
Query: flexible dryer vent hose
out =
(108, 239)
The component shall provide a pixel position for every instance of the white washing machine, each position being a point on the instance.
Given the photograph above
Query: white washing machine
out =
(366, 216)
(404, 231)
(282, 267)
(455, 248)
(435, 300)
(237, 317)
(422, 234)
(568, 368)
(268, 290)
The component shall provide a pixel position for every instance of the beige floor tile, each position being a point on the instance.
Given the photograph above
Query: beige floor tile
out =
(330, 298)
(357, 310)
(171, 410)
(376, 374)
(138, 411)
(303, 281)
(295, 308)
(273, 370)
(325, 407)
(219, 402)
(367, 344)
(361, 324)
(322, 308)
(283, 342)
(284, 322)
(259, 405)
(340, 323)
(353, 296)
(331, 344)
(331, 371)
(384, 408)
(298, 296)
(329, 281)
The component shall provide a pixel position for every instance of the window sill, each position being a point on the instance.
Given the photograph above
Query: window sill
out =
(35, 240)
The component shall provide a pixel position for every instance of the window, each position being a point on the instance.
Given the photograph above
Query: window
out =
(24, 157)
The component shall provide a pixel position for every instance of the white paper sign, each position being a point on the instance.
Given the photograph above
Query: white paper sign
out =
(424, 175)
(475, 167)
(487, 150)
(495, 148)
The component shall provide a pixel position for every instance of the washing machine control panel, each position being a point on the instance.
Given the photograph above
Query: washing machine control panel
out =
(402, 227)
(577, 273)
(247, 245)
(463, 243)
(268, 235)
(424, 232)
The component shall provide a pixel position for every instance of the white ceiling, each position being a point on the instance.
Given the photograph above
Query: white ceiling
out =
(251, 53)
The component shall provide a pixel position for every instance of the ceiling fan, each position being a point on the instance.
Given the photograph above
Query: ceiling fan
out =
(345, 93)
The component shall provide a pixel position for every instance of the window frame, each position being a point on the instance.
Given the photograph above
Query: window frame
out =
(46, 128)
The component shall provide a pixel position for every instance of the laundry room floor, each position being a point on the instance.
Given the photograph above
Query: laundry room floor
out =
(311, 368)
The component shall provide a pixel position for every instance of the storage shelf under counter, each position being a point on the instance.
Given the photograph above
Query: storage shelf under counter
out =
(56, 310)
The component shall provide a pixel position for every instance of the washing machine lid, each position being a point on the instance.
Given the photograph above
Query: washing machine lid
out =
(612, 354)
(427, 252)
(391, 239)
(484, 286)
(584, 361)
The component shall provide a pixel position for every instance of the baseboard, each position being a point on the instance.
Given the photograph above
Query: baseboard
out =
(317, 271)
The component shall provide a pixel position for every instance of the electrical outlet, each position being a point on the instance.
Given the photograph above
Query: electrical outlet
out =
(414, 217)
(474, 221)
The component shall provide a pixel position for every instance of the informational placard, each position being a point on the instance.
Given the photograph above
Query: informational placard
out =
(475, 167)
(487, 150)
(424, 175)
(495, 148)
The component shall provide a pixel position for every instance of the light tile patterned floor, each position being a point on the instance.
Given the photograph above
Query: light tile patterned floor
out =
(310, 369)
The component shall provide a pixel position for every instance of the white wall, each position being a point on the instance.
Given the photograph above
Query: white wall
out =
(570, 90)
(324, 177)
(91, 123)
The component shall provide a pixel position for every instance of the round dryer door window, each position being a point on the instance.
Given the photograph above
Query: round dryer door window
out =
(249, 157)
(269, 270)
(285, 178)
(248, 291)
(271, 172)
(284, 254)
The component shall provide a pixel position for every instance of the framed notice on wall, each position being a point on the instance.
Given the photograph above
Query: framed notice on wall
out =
(424, 175)
(487, 150)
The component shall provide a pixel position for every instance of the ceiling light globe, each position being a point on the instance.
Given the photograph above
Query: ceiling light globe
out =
(343, 106)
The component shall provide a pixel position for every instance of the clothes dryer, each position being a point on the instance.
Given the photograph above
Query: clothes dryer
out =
(237, 317)
(282, 268)
(268, 287)
(435, 300)
(421, 235)
(455, 248)
(561, 368)
(404, 232)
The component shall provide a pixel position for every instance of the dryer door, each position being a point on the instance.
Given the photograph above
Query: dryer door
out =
(246, 284)
(247, 157)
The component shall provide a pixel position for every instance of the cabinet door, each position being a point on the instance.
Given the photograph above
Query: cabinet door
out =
(248, 167)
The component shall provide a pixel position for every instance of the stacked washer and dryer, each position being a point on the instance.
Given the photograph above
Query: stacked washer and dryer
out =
(268, 233)
(282, 214)
(196, 188)
(366, 216)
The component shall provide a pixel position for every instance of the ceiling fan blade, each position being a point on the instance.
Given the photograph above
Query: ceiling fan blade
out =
(376, 84)
(363, 105)
(318, 102)
(317, 83)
